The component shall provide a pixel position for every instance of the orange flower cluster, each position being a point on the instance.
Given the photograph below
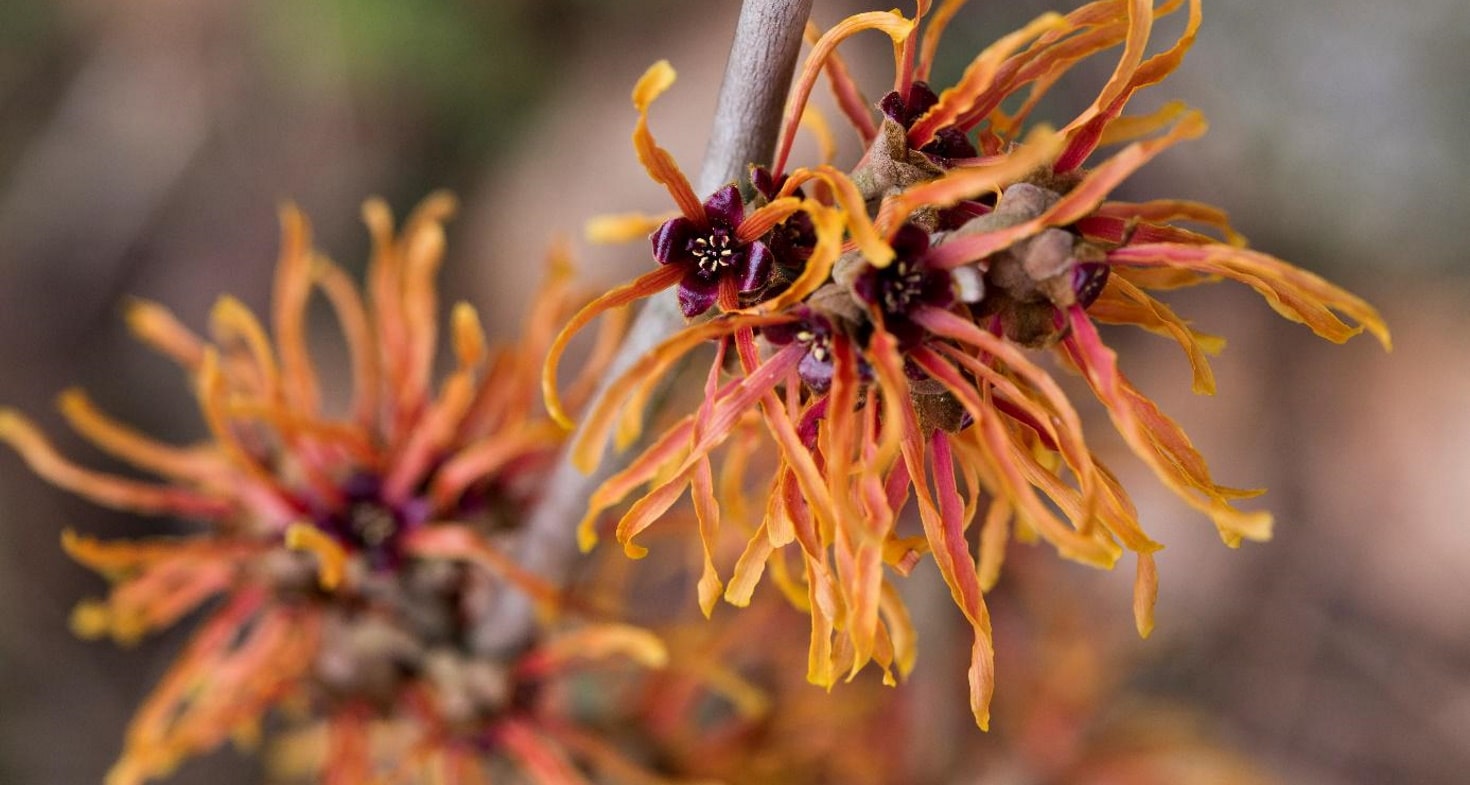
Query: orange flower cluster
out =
(885, 329)
(347, 556)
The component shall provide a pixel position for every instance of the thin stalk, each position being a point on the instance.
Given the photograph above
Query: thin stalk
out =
(747, 119)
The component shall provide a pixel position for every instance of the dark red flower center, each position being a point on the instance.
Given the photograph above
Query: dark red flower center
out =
(367, 524)
(713, 252)
(901, 287)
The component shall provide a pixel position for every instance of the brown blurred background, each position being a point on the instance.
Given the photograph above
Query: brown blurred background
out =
(144, 147)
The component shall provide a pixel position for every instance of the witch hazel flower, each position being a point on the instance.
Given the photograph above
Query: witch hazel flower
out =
(341, 558)
(903, 369)
(710, 252)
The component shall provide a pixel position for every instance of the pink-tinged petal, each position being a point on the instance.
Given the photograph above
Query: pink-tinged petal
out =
(671, 241)
(978, 77)
(104, 489)
(778, 422)
(1158, 440)
(538, 758)
(632, 389)
(671, 446)
(757, 269)
(1117, 231)
(1009, 459)
(1162, 211)
(1078, 203)
(933, 32)
(1089, 29)
(1140, 23)
(225, 679)
(486, 456)
(966, 588)
(1145, 594)
(697, 294)
(845, 91)
(724, 208)
(707, 511)
(198, 465)
(1294, 293)
(1086, 132)
(159, 594)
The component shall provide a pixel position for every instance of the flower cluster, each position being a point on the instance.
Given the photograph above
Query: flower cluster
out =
(345, 559)
(896, 356)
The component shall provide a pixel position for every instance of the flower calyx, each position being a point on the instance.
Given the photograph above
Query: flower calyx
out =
(1027, 283)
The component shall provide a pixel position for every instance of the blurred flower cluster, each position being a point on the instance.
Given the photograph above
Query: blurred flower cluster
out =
(878, 394)
(348, 556)
(884, 326)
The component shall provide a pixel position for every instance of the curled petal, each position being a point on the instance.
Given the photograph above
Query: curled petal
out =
(331, 558)
(845, 90)
(932, 35)
(656, 160)
(643, 286)
(1086, 131)
(891, 23)
(854, 209)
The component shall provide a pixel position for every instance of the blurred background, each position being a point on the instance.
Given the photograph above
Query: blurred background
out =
(144, 147)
